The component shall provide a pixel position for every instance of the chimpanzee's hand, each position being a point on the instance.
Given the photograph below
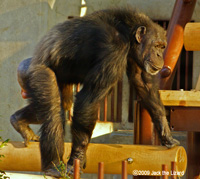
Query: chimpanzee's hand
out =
(165, 133)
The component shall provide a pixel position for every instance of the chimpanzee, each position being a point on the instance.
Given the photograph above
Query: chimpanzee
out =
(96, 51)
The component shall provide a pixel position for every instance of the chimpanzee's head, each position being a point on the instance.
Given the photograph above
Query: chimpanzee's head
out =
(150, 43)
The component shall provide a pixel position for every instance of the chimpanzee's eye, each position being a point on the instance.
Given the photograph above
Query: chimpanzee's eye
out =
(161, 46)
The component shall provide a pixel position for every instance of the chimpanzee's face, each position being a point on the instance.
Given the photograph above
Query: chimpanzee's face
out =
(152, 43)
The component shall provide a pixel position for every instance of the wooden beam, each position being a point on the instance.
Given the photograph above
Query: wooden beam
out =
(145, 158)
(180, 98)
(192, 36)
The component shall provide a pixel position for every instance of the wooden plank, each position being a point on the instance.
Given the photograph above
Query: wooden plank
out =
(145, 158)
(185, 118)
(180, 98)
(192, 36)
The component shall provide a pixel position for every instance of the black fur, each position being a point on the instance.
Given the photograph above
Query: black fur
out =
(95, 50)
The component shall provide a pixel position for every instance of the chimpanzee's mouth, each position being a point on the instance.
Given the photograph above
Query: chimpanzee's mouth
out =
(154, 68)
(151, 68)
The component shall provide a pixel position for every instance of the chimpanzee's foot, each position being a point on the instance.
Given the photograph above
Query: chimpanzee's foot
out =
(53, 172)
(29, 135)
(79, 154)
(165, 134)
(56, 173)
(70, 170)
(24, 129)
(82, 158)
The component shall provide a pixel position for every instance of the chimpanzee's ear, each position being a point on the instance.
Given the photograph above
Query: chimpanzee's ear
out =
(140, 32)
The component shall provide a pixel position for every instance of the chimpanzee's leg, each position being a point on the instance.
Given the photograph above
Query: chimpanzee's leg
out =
(21, 120)
(67, 96)
(110, 67)
(83, 122)
(46, 99)
(25, 116)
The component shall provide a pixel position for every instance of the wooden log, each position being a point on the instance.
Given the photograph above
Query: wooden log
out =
(191, 36)
(180, 98)
(145, 158)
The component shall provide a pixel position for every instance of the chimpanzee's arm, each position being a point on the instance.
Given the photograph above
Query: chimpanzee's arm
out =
(147, 90)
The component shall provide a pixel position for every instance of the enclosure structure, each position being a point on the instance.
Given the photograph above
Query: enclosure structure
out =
(175, 111)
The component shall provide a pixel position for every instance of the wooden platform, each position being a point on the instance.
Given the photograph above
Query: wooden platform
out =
(180, 98)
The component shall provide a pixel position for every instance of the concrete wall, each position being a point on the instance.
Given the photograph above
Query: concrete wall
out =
(23, 23)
